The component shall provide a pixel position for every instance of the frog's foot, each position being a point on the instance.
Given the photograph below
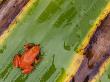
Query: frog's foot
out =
(27, 70)
(28, 46)
(16, 61)
(37, 61)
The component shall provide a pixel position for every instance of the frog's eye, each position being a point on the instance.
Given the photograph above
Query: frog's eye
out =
(29, 45)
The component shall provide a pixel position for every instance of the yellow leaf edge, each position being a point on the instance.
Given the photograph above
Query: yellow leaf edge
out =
(18, 18)
(78, 57)
(104, 66)
(102, 69)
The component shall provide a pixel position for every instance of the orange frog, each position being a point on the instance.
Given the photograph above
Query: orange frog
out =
(26, 60)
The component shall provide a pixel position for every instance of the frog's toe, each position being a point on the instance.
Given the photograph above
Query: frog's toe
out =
(27, 70)
(37, 61)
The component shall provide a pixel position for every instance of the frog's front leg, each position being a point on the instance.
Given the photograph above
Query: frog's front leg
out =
(27, 69)
(17, 61)
(37, 61)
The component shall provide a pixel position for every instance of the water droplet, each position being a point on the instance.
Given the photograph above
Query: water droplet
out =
(67, 47)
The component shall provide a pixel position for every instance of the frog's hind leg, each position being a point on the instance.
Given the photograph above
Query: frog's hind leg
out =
(28, 46)
(17, 60)
(27, 70)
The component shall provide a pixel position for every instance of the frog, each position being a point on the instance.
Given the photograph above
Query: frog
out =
(30, 56)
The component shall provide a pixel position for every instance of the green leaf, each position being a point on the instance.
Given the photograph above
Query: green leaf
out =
(59, 26)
